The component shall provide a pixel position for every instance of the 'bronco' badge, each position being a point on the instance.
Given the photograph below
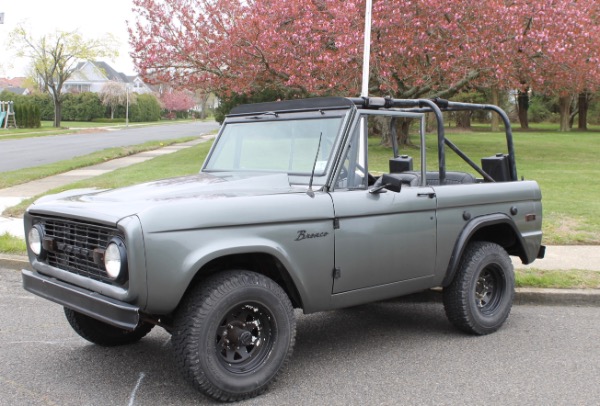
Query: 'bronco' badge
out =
(303, 235)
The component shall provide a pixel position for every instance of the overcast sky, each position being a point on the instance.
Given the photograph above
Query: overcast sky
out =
(91, 18)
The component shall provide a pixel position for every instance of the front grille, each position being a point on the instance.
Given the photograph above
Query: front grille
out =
(77, 247)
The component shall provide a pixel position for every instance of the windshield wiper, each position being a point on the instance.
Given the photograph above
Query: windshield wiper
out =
(266, 113)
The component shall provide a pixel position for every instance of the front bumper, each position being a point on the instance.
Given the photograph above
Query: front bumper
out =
(105, 309)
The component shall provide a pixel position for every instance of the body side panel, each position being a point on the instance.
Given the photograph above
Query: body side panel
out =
(296, 229)
(459, 204)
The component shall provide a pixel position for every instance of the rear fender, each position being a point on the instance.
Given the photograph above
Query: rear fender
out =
(502, 230)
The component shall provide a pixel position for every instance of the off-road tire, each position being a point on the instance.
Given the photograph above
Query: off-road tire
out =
(479, 299)
(104, 334)
(233, 334)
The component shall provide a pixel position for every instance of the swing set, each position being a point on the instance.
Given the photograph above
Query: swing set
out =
(7, 115)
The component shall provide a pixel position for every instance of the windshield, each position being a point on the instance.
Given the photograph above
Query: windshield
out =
(289, 146)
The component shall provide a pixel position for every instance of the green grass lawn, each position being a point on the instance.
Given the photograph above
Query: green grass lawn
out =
(564, 164)
(20, 176)
(9, 244)
(185, 162)
(570, 279)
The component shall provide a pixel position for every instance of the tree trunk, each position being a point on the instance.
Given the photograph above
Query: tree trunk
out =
(463, 119)
(583, 102)
(403, 139)
(564, 105)
(204, 107)
(495, 102)
(57, 112)
(523, 107)
(396, 127)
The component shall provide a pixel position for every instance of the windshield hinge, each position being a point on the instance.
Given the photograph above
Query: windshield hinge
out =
(337, 273)
(336, 223)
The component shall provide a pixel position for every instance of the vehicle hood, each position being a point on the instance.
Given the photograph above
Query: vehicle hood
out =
(108, 206)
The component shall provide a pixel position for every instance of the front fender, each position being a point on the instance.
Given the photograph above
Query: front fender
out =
(175, 258)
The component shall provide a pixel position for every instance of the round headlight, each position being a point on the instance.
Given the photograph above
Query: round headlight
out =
(34, 238)
(115, 258)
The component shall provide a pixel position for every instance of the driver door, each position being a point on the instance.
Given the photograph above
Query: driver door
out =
(381, 238)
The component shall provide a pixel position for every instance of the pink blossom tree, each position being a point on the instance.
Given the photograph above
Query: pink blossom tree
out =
(177, 100)
(420, 48)
(555, 50)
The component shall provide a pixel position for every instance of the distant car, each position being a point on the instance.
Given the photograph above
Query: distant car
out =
(285, 213)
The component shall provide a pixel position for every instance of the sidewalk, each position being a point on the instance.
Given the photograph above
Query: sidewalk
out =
(557, 257)
(14, 195)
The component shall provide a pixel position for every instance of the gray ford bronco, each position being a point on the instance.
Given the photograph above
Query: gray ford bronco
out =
(288, 211)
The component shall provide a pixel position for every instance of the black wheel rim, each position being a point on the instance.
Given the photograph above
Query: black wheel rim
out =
(244, 338)
(489, 289)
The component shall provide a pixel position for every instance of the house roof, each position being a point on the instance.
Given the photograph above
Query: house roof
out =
(107, 71)
(15, 90)
(12, 82)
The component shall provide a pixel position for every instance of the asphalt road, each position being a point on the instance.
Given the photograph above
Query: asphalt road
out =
(388, 353)
(34, 151)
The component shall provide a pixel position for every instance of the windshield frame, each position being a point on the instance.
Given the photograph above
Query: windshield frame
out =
(319, 175)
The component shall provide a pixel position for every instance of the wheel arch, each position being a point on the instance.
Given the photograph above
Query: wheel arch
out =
(260, 262)
(497, 228)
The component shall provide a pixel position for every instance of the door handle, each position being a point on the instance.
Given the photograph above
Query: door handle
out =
(430, 195)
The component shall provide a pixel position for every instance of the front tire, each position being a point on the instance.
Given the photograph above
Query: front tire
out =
(479, 299)
(233, 335)
(104, 334)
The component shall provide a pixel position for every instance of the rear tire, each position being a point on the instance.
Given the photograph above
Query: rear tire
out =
(104, 334)
(233, 335)
(479, 299)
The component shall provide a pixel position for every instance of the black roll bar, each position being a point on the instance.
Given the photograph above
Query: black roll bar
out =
(437, 106)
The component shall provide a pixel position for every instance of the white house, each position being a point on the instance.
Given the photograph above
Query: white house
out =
(90, 76)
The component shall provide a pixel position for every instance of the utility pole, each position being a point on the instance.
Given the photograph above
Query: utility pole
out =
(127, 107)
(367, 50)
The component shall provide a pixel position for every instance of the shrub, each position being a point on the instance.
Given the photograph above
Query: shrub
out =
(84, 106)
(44, 103)
(27, 114)
(539, 108)
(594, 110)
(147, 108)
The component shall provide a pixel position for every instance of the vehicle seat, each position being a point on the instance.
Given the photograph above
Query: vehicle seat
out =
(452, 178)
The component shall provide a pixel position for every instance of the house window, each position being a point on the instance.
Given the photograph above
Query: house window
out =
(72, 88)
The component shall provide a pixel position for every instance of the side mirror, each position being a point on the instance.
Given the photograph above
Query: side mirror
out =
(392, 183)
(388, 182)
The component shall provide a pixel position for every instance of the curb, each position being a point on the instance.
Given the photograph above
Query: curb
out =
(523, 296)
(16, 262)
(557, 297)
